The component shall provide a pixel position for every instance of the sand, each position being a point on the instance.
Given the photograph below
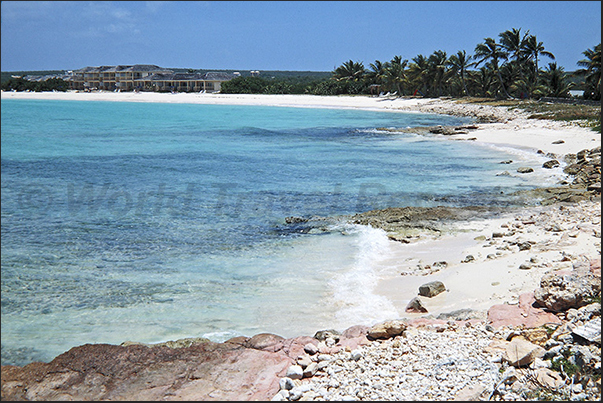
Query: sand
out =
(494, 276)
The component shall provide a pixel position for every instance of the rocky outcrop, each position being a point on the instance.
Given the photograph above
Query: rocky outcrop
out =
(522, 314)
(562, 291)
(202, 371)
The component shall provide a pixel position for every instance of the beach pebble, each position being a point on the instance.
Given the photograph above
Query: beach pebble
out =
(295, 372)
(311, 348)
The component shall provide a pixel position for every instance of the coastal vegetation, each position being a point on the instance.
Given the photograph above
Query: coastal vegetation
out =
(21, 84)
(510, 68)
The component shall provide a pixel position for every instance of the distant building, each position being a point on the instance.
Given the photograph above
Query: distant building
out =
(145, 77)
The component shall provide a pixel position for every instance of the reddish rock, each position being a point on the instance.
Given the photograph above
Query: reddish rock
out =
(207, 371)
(524, 313)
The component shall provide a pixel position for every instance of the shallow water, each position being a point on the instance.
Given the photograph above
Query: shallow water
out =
(153, 222)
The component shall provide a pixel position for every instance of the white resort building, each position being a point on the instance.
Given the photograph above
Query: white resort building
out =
(145, 77)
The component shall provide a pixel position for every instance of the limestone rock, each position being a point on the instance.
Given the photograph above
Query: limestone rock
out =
(387, 329)
(432, 289)
(520, 352)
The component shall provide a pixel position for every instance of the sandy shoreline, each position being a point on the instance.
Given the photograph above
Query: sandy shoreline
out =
(500, 280)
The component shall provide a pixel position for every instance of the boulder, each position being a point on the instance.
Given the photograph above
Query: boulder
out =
(387, 329)
(432, 289)
(415, 306)
(520, 352)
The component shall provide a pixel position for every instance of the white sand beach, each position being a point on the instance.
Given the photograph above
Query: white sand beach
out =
(494, 276)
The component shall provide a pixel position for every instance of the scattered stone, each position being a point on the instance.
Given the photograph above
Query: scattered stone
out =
(558, 142)
(432, 289)
(311, 349)
(415, 306)
(295, 372)
(520, 352)
(468, 258)
(525, 266)
(387, 329)
(323, 335)
(551, 164)
(525, 170)
(506, 162)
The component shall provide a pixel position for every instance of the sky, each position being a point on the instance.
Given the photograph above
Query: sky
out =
(278, 35)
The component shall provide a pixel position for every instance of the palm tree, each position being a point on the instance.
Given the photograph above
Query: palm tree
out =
(532, 49)
(554, 82)
(419, 70)
(490, 50)
(592, 68)
(485, 80)
(377, 72)
(437, 70)
(350, 70)
(513, 42)
(395, 73)
(459, 64)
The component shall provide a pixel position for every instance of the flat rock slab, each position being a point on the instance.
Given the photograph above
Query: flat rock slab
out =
(206, 371)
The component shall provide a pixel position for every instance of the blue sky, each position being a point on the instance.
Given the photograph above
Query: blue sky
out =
(271, 35)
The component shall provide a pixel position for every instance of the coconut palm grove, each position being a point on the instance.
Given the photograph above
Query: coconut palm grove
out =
(511, 67)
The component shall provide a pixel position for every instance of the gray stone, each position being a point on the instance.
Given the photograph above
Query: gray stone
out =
(415, 306)
(286, 383)
(551, 164)
(468, 258)
(295, 372)
(311, 348)
(310, 370)
(432, 289)
(525, 170)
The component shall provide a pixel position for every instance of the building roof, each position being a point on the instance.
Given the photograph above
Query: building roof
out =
(212, 76)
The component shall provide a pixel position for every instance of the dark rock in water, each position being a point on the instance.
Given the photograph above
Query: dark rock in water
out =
(506, 162)
(415, 306)
(432, 289)
(525, 170)
(295, 220)
(551, 164)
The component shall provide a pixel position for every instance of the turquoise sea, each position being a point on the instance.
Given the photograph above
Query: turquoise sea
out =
(152, 222)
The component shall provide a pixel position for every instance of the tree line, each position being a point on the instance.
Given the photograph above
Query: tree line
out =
(507, 68)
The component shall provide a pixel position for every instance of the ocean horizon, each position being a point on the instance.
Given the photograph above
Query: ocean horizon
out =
(151, 222)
